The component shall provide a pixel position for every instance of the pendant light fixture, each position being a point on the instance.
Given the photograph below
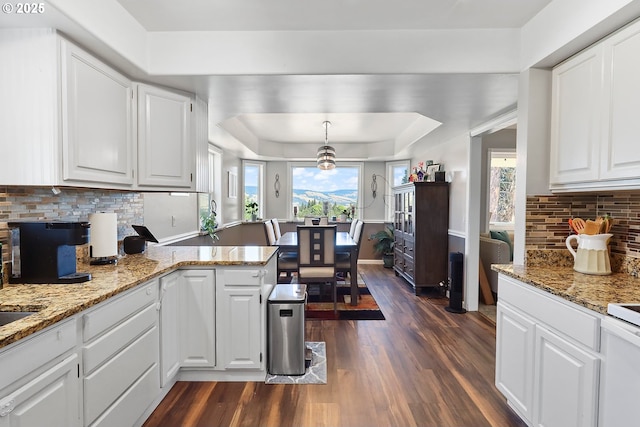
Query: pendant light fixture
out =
(326, 154)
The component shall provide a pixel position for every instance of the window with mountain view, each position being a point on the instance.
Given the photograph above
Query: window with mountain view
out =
(318, 193)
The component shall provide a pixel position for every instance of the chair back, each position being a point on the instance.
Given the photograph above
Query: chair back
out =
(357, 234)
(276, 228)
(324, 220)
(308, 220)
(271, 235)
(352, 229)
(316, 252)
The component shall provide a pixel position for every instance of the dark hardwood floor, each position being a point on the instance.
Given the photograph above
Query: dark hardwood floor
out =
(422, 366)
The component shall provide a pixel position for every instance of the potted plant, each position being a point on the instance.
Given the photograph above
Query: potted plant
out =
(209, 224)
(252, 209)
(384, 245)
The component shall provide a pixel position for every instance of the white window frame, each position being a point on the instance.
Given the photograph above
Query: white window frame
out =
(491, 153)
(260, 190)
(358, 165)
(388, 196)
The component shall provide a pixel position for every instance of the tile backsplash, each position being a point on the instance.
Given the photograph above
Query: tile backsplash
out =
(547, 227)
(72, 204)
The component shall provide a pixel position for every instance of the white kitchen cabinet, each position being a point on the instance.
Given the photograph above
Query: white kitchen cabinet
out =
(620, 156)
(169, 327)
(547, 361)
(241, 315)
(575, 118)
(120, 357)
(165, 141)
(197, 304)
(566, 385)
(39, 380)
(97, 120)
(594, 127)
(514, 358)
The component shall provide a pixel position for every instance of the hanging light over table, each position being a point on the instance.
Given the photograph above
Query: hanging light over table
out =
(326, 154)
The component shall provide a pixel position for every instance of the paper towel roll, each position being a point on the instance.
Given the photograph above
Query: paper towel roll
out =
(103, 237)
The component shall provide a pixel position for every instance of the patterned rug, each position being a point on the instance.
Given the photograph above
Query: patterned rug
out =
(320, 302)
(315, 373)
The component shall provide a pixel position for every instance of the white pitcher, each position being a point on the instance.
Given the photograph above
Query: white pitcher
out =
(592, 256)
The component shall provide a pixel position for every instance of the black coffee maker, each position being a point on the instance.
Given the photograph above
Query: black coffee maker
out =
(44, 252)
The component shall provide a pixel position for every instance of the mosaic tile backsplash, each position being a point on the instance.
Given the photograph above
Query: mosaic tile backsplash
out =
(547, 226)
(72, 204)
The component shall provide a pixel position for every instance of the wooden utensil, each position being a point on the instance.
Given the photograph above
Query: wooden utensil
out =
(591, 227)
(578, 225)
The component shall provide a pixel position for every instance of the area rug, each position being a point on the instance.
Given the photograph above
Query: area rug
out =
(320, 302)
(316, 373)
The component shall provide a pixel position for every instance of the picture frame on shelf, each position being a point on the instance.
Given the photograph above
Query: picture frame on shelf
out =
(431, 171)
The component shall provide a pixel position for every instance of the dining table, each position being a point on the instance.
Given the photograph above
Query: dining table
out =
(344, 243)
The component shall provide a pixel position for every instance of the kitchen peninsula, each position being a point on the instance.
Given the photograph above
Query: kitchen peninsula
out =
(107, 350)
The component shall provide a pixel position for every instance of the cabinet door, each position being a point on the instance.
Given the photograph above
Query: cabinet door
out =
(515, 338)
(239, 311)
(620, 156)
(565, 393)
(575, 118)
(97, 130)
(164, 138)
(197, 318)
(51, 399)
(169, 328)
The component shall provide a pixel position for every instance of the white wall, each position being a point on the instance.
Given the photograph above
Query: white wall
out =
(168, 217)
(454, 155)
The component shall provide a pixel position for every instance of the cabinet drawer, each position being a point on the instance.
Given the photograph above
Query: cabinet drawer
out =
(105, 385)
(115, 310)
(113, 341)
(241, 277)
(132, 404)
(36, 351)
(561, 316)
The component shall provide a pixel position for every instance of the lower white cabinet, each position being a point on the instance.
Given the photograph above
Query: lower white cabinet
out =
(39, 379)
(196, 312)
(547, 361)
(120, 357)
(169, 327)
(241, 317)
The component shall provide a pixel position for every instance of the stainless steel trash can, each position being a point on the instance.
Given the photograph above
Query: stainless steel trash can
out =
(286, 345)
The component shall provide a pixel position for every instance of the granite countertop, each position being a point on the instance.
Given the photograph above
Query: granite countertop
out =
(55, 302)
(590, 291)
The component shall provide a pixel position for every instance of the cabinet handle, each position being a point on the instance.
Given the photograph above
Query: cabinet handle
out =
(7, 407)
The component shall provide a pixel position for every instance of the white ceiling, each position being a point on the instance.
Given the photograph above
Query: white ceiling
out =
(374, 116)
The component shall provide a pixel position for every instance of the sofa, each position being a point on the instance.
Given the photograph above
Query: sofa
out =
(494, 251)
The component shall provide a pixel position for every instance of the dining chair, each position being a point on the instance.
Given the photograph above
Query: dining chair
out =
(324, 220)
(352, 229)
(268, 231)
(276, 228)
(308, 220)
(316, 257)
(343, 259)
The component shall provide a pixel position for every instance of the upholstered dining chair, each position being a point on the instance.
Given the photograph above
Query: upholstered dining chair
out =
(308, 220)
(343, 259)
(324, 220)
(269, 232)
(276, 228)
(316, 257)
(352, 229)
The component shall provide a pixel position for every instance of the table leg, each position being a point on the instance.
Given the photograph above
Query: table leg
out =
(355, 292)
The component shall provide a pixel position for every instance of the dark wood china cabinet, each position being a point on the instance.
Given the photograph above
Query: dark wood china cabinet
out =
(421, 233)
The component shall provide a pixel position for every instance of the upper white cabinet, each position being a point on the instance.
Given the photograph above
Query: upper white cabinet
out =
(165, 146)
(593, 124)
(68, 118)
(97, 130)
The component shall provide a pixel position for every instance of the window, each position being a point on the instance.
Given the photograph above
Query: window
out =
(315, 192)
(397, 174)
(253, 179)
(502, 187)
(209, 200)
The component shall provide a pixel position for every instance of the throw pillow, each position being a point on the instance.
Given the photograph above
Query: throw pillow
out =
(504, 236)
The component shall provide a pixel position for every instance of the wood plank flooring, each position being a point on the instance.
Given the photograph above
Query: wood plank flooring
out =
(422, 366)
